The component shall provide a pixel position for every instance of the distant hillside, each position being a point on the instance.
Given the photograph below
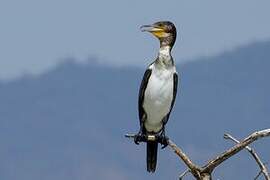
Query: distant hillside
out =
(70, 122)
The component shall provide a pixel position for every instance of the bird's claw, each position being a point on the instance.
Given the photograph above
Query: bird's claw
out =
(139, 138)
(164, 141)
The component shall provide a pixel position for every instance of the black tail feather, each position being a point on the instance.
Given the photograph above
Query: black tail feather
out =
(151, 155)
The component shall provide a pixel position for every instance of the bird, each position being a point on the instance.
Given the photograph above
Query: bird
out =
(157, 92)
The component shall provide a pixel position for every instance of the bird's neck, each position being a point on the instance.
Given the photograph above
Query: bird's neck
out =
(164, 55)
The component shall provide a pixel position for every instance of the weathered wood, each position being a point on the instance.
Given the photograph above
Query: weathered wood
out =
(209, 167)
(205, 172)
(262, 166)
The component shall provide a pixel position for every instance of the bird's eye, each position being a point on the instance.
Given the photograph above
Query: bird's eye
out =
(159, 25)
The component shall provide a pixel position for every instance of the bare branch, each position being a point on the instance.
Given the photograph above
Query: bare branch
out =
(194, 169)
(129, 135)
(204, 173)
(209, 167)
(258, 175)
(181, 176)
(183, 156)
(255, 156)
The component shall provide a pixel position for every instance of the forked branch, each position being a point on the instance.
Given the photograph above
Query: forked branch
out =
(194, 169)
(262, 166)
(209, 167)
(204, 173)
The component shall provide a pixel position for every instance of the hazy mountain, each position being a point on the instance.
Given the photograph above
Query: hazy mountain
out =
(70, 122)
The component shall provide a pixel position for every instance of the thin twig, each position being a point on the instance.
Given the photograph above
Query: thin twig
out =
(255, 156)
(209, 167)
(258, 175)
(181, 176)
(129, 135)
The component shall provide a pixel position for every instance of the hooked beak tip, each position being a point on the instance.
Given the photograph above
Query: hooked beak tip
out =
(146, 28)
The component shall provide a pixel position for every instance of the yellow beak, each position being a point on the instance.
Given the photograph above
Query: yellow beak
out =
(156, 31)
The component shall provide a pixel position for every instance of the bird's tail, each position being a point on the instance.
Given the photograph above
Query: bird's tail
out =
(151, 155)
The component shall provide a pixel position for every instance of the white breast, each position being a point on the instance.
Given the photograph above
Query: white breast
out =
(158, 97)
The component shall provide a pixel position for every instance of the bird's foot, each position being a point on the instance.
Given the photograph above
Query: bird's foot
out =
(164, 140)
(139, 138)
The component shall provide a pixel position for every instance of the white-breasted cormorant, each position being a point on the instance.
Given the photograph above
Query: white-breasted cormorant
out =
(157, 92)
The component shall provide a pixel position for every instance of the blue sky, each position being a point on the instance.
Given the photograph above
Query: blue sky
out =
(37, 35)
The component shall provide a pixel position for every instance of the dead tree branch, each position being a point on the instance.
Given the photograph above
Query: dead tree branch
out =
(195, 170)
(181, 176)
(262, 166)
(205, 172)
(209, 167)
(258, 175)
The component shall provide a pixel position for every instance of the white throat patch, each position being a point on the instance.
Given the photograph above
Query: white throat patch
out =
(164, 52)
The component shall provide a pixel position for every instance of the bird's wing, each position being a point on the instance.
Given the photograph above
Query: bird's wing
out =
(144, 83)
(175, 84)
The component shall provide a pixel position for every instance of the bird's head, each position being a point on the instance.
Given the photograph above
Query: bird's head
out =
(165, 31)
